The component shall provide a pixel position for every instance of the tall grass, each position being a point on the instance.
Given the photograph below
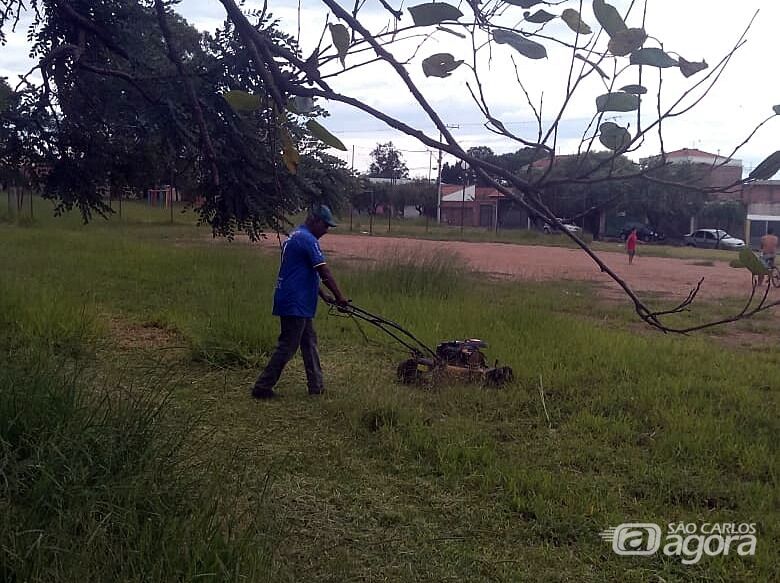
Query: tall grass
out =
(435, 276)
(98, 482)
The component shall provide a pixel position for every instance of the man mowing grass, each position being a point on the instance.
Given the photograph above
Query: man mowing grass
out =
(295, 302)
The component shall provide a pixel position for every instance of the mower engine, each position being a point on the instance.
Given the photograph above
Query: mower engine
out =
(459, 360)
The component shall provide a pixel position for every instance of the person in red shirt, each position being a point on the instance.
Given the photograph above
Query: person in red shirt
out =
(631, 246)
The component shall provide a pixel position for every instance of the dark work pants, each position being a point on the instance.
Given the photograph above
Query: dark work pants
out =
(296, 332)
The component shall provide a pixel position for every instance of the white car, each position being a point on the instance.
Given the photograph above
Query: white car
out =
(568, 226)
(713, 239)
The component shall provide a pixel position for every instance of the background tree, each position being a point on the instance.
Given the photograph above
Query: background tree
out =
(9, 135)
(452, 173)
(669, 200)
(419, 194)
(387, 162)
(584, 202)
(724, 214)
(21, 124)
(514, 162)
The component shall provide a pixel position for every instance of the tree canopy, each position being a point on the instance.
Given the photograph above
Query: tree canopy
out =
(387, 162)
(136, 98)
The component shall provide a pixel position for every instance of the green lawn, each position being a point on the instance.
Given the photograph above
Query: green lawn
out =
(130, 450)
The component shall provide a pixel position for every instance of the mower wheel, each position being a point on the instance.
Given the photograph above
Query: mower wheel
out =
(407, 372)
(499, 376)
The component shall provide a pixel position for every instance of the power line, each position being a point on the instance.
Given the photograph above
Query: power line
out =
(363, 129)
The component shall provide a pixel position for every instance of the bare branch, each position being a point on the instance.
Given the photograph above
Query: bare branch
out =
(396, 13)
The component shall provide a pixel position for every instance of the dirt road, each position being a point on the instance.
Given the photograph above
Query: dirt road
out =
(673, 277)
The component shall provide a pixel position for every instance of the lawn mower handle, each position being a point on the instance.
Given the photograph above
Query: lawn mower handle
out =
(393, 329)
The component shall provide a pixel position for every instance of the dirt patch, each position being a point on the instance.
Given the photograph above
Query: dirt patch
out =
(133, 336)
(661, 275)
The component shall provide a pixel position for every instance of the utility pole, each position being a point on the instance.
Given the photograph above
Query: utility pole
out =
(390, 203)
(171, 189)
(463, 198)
(438, 188)
(352, 183)
(438, 180)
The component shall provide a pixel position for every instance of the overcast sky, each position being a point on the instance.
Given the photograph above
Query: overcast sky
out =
(697, 30)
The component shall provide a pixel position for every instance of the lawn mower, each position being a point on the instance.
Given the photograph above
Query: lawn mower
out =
(453, 361)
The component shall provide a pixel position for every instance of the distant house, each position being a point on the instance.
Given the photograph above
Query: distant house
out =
(762, 199)
(478, 206)
(709, 171)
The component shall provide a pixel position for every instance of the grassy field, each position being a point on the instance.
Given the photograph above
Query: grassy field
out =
(131, 451)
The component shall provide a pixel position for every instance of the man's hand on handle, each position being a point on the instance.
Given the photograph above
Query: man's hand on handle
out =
(340, 302)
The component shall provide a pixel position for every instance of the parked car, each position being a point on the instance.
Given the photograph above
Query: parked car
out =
(713, 239)
(644, 232)
(548, 228)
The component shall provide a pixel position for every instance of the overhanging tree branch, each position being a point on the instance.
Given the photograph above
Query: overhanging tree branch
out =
(175, 58)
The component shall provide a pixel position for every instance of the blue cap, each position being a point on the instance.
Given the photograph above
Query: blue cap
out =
(324, 213)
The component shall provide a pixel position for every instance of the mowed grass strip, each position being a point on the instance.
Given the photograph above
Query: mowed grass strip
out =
(380, 480)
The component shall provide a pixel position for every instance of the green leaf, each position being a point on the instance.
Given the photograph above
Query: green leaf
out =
(627, 41)
(689, 68)
(440, 65)
(653, 57)
(753, 263)
(614, 137)
(433, 13)
(525, 3)
(573, 20)
(609, 18)
(767, 168)
(524, 46)
(617, 102)
(776, 109)
(242, 101)
(324, 136)
(635, 89)
(539, 17)
(340, 36)
(289, 152)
